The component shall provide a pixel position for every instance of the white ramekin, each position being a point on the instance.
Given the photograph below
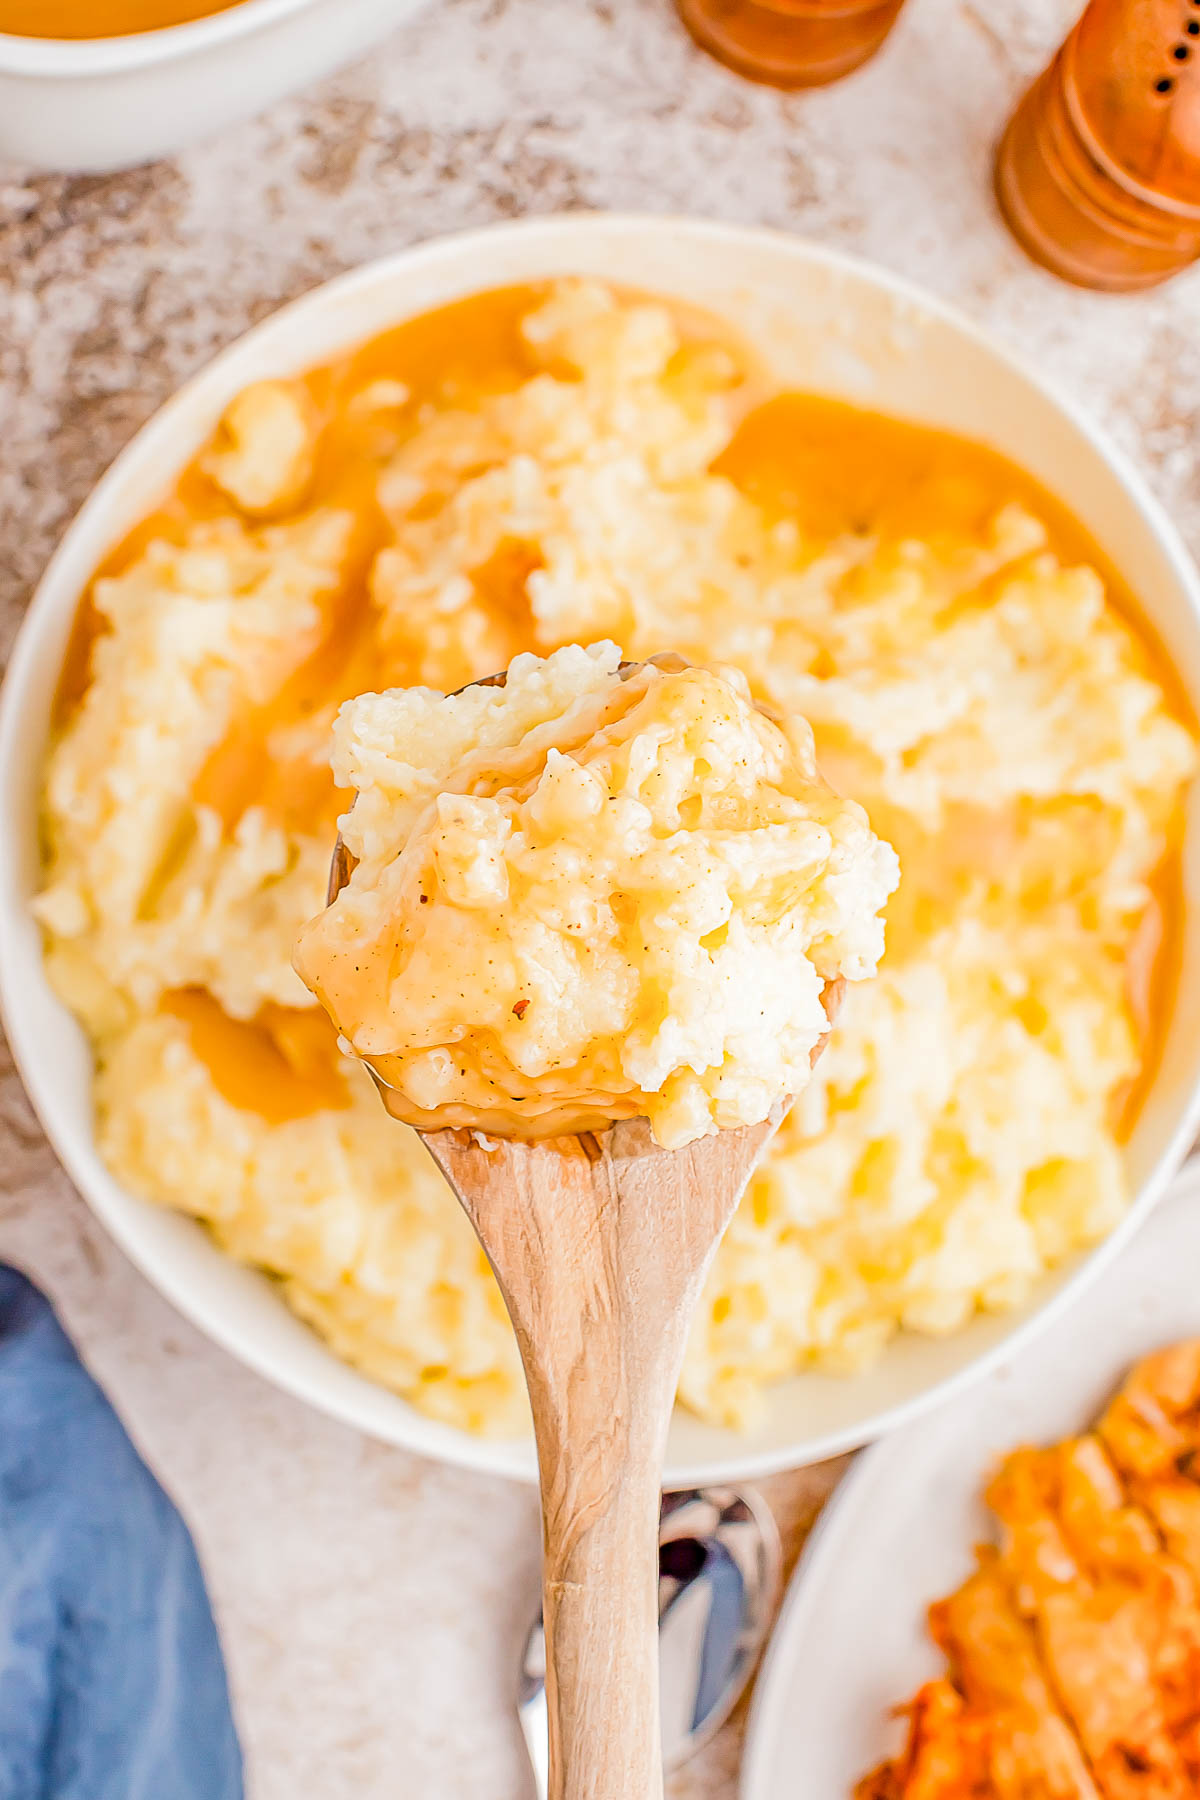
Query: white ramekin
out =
(107, 103)
(823, 322)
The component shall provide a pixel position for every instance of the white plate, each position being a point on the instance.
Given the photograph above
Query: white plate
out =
(851, 1641)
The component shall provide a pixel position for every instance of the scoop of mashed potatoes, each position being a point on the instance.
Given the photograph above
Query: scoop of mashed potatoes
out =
(970, 679)
(591, 894)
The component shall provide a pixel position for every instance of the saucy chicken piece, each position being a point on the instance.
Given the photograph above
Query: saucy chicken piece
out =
(1152, 1427)
(1174, 1505)
(946, 1756)
(1126, 1545)
(1075, 1648)
(1103, 1628)
(994, 1654)
(1152, 1432)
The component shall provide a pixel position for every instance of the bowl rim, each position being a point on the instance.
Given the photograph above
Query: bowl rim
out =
(79, 58)
(76, 1148)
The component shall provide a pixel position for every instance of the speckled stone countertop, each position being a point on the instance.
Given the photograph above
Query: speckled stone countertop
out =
(372, 1604)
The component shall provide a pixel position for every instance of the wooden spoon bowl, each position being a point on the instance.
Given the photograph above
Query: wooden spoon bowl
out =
(600, 1244)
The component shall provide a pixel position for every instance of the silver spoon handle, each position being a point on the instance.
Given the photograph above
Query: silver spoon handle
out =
(535, 1724)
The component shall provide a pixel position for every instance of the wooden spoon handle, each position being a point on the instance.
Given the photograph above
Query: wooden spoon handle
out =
(602, 1354)
(600, 1247)
(600, 1584)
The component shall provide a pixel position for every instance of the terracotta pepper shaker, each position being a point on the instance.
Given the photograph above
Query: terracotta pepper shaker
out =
(1098, 173)
(790, 43)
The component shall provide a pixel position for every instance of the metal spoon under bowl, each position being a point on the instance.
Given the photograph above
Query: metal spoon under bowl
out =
(718, 1582)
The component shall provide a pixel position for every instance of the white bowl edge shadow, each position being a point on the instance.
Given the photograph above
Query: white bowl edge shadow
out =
(826, 322)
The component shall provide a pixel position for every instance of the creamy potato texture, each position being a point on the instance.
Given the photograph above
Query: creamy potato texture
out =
(589, 895)
(559, 468)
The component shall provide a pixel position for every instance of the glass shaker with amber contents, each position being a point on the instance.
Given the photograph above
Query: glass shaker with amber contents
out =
(1098, 174)
(790, 43)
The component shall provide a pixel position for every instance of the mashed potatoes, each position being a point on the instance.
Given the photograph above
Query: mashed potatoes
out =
(968, 681)
(591, 895)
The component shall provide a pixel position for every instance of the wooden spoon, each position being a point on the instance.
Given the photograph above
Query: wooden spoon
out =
(600, 1244)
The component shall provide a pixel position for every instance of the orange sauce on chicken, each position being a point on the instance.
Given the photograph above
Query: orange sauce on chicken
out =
(832, 467)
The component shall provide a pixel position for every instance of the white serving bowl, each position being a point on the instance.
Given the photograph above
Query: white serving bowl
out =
(107, 103)
(823, 322)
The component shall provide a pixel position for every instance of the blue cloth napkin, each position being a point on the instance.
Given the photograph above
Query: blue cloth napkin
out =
(111, 1680)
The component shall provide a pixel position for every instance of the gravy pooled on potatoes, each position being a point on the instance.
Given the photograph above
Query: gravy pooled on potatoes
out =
(564, 464)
